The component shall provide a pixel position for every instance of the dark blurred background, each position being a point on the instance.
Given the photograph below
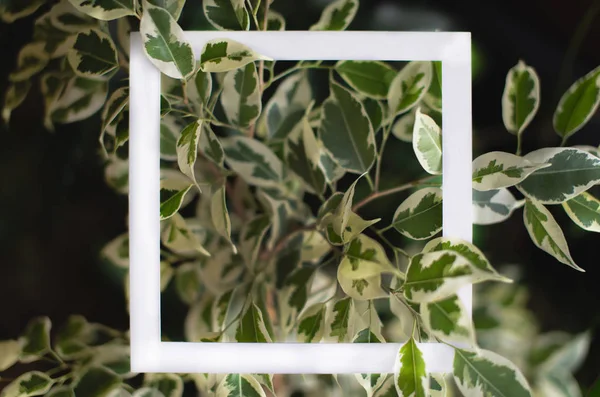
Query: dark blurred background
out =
(56, 212)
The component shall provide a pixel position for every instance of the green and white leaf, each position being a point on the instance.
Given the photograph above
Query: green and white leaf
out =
(253, 161)
(66, 18)
(488, 374)
(578, 104)
(404, 126)
(337, 16)
(346, 131)
(236, 385)
(105, 9)
(223, 55)
(227, 14)
(11, 10)
(165, 43)
(374, 109)
(117, 251)
(80, 99)
(433, 98)
(14, 96)
(251, 236)
(410, 374)
(31, 60)
(494, 206)
(568, 356)
(369, 382)
(170, 385)
(311, 324)
(204, 85)
(302, 154)
(521, 98)
(419, 217)
(275, 21)
(178, 237)
(409, 86)
(557, 385)
(112, 111)
(294, 295)
(427, 143)
(495, 170)
(571, 172)
(546, 233)
(174, 7)
(448, 320)
(210, 146)
(97, 381)
(67, 391)
(32, 383)
(187, 282)
(584, 210)
(94, 55)
(252, 328)
(220, 215)
(241, 97)
(147, 392)
(10, 351)
(36, 339)
(170, 134)
(340, 321)
(187, 149)
(363, 258)
(437, 385)
(371, 78)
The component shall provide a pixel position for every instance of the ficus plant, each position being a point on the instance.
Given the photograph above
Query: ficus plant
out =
(267, 172)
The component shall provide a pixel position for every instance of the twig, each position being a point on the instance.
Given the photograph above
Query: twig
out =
(384, 193)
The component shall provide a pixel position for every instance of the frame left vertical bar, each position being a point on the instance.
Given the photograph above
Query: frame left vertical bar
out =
(144, 209)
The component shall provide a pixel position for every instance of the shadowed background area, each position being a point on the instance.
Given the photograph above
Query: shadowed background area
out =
(56, 212)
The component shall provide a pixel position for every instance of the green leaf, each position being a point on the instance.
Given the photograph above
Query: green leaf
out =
(37, 339)
(10, 351)
(521, 98)
(488, 374)
(187, 149)
(572, 171)
(410, 375)
(165, 43)
(578, 104)
(433, 98)
(409, 86)
(493, 206)
(419, 217)
(187, 282)
(241, 98)
(252, 328)
(236, 385)
(341, 322)
(11, 10)
(105, 9)
(15, 95)
(204, 85)
(337, 16)
(97, 382)
(251, 236)
(80, 99)
(584, 210)
(427, 143)
(371, 78)
(210, 146)
(253, 161)
(374, 109)
(448, 320)
(227, 14)
(346, 131)
(32, 383)
(220, 215)
(495, 170)
(170, 135)
(223, 55)
(178, 237)
(94, 55)
(31, 60)
(170, 385)
(311, 324)
(546, 233)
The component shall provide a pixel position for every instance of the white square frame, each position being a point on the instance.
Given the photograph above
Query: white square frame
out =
(148, 352)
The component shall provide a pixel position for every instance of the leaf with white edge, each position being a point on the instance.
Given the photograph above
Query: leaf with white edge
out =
(493, 206)
(113, 109)
(584, 210)
(275, 21)
(220, 215)
(435, 276)
(11, 10)
(105, 10)
(437, 385)
(433, 98)
(210, 146)
(252, 328)
(571, 172)
(590, 149)
(567, 357)
(387, 389)
(331, 169)
(187, 149)
(448, 320)
(117, 251)
(241, 98)
(419, 217)
(97, 381)
(311, 324)
(223, 55)
(365, 257)
(116, 175)
(400, 308)
(488, 374)
(561, 384)
(165, 43)
(36, 339)
(294, 294)
(364, 288)
(404, 126)
(204, 84)
(409, 86)
(427, 143)
(31, 60)
(79, 100)
(253, 161)
(302, 155)
(546, 233)
(371, 78)
(578, 104)
(341, 321)
(32, 383)
(495, 170)
(170, 385)
(51, 86)
(10, 351)
(67, 391)
(346, 131)
(410, 374)
(251, 236)
(94, 55)
(14, 96)
(170, 134)
(237, 385)
(374, 109)
(147, 392)
(369, 382)
(187, 282)
(67, 18)
(521, 98)
(227, 14)
(178, 237)
(174, 7)
(57, 41)
(337, 16)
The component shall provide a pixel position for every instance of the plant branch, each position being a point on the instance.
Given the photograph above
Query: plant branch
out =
(401, 188)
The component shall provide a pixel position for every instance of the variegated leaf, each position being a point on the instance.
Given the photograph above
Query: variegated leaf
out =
(210, 146)
(404, 126)
(116, 175)
(521, 98)
(364, 288)
(34, 383)
(174, 7)
(170, 134)
(369, 382)
(178, 237)
(204, 85)
(253, 161)
(147, 392)
(236, 385)
(187, 149)
(370, 78)
(67, 18)
(409, 86)
(427, 143)
(227, 14)
(97, 381)
(387, 389)
(275, 21)
(437, 385)
(419, 217)
(251, 327)
(14, 96)
(58, 41)
(566, 356)
(187, 282)
(311, 324)
(241, 97)
(557, 385)
(251, 236)
(411, 378)
(80, 99)
(571, 172)
(433, 98)
(220, 215)
(171, 201)
(337, 16)
(346, 131)
(67, 391)
(10, 351)
(364, 258)
(36, 338)
(31, 60)
(340, 321)
(493, 206)
(546, 233)
(170, 385)
(448, 320)
(221, 272)
(374, 109)
(105, 9)
(223, 55)
(294, 295)
(11, 10)
(331, 169)
(495, 170)
(578, 104)
(112, 111)
(52, 84)
(165, 43)
(584, 210)
(485, 373)
(94, 55)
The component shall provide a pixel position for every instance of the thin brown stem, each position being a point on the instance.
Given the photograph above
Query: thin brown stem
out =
(401, 188)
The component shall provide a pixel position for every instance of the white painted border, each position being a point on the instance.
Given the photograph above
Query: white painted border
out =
(148, 353)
